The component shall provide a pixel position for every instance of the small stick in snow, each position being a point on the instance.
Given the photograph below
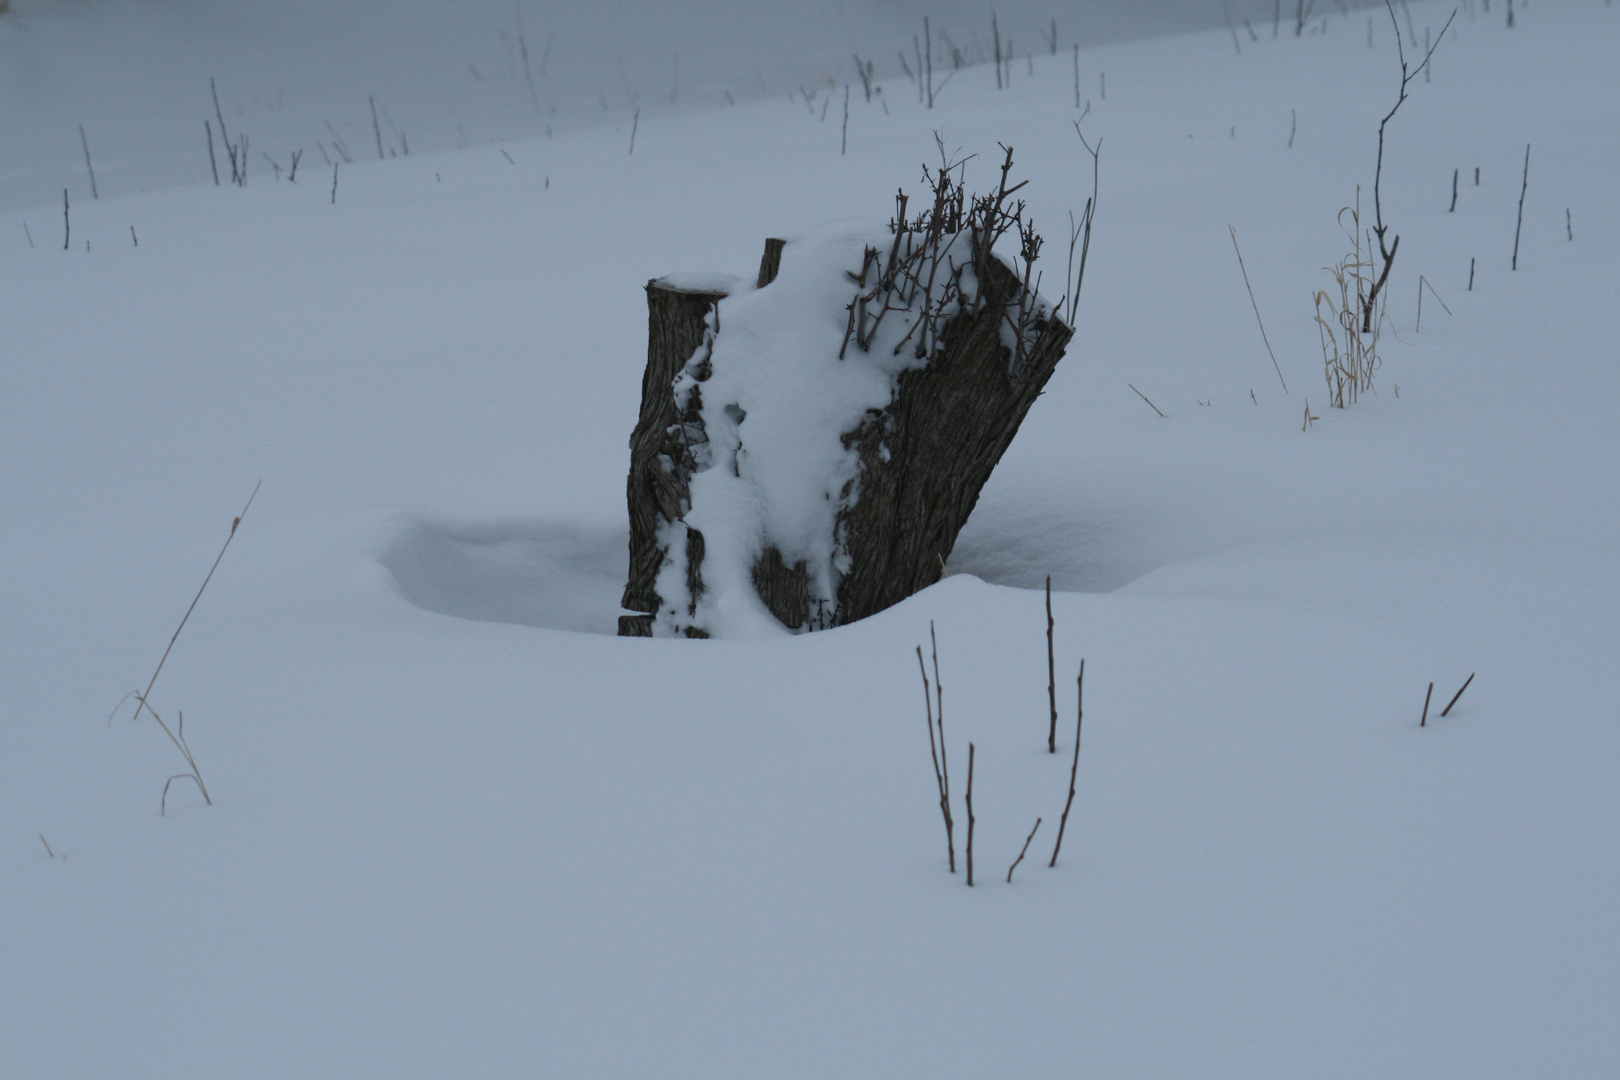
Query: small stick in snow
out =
(1256, 306)
(1569, 228)
(48, 850)
(208, 129)
(133, 237)
(509, 160)
(1022, 850)
(1152, 406)
(939, 780)
(178, 736)
(376, 127)
(230, 147)
(88, 167)
(28, 233)
(1459, 694)
(1079, 715)
(1423, 283)
(1051, 673)
(1425, 721)
(334, 183)
(1293, 125)
(635, 122)
(944, 759)
(67, 224)
(1454, 173)
(843, 142)
(1470, 274)
(970, 816)
(1522, 189)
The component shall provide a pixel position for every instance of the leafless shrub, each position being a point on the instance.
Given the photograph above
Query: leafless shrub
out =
(939, 262)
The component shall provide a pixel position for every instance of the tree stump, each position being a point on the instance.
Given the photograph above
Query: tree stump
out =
(661, 460)
(922, 458)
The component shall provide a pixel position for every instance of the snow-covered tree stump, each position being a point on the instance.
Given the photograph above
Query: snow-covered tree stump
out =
(804, 459)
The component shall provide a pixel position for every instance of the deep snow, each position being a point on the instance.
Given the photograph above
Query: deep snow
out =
(460, 829)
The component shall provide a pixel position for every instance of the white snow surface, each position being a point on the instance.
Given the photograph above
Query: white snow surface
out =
(461, 829)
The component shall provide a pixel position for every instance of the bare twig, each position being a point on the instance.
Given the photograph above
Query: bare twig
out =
(376, 128)
(1022, 850)
(1152, 406)
(970, 816)
(1233, 230)
(1387, 252)
(944, 759)
(843, 139)
(1425, 721)
(142, 698)
(1525, 186)
(1081, 233)
(523, 51)
(208, 130)
(237, 170)
(87, 166)
(939, 778)
(1423, 283)
(635, 123)
(1074, 769)
(1457, 695)
(48, 850)
(1051, 673)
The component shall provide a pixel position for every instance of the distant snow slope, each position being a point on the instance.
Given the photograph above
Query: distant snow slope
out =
(459, 829)
(446, 73)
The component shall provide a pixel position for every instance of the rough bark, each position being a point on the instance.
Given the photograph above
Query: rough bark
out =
(945, 430)
(661, 448)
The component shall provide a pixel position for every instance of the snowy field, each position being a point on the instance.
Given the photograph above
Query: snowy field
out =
(459, 829)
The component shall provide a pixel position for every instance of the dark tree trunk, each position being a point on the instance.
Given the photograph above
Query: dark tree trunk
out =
(945, 430)
(661, 463)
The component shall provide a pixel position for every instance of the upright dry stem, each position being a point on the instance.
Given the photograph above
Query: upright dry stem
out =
(1074, 769)
(1051, 673)
(142, 698)
(939, 776)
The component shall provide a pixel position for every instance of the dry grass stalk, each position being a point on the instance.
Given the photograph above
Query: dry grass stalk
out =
(177, 734)
(1350, 317)
(1255, 304)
